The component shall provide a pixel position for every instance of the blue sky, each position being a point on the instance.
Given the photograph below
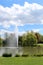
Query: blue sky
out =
(27, 15)
(21, 2)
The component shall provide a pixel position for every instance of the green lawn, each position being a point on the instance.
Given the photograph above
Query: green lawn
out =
(21, 61)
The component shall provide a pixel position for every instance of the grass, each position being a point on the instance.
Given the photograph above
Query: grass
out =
(21, 61)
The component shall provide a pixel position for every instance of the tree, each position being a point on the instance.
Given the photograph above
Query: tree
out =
(39, 37)
(1, 41)
(24, 40)
(29, 39)
(20, 40)
(6, 39)
(42, 39)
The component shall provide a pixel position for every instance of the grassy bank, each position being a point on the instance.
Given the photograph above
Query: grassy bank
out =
(21, 61)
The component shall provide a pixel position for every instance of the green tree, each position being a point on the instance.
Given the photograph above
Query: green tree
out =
(24, 40)
(39, 37)
(29, 39)
(1, 42)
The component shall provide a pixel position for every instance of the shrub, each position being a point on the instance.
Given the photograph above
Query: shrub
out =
(17, 55)
(39, 55)
(6, 55)
(25, 55)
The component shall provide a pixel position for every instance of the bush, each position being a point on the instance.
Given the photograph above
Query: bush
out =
(25, 55)
(39, 55)
(17, 55)
(6, 55)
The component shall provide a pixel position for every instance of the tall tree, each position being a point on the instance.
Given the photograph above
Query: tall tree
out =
(29, 39)
(39, 37)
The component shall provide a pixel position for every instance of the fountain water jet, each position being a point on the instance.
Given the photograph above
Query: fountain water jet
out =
(11, 46)
(12, 43)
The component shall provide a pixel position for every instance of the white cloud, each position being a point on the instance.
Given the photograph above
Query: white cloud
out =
(21, 33)
(36, 30)
(20, 15)
(3, 31)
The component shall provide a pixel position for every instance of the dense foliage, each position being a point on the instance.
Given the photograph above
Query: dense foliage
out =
(28, 39)
(1, 41)
(39, 37)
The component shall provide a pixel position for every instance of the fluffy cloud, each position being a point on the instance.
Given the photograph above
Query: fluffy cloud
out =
(3, 32)
(21, 15)
(37, 30)
(21, 33)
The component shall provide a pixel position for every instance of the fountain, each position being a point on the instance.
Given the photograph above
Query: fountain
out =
(12, 43)
(11, 46)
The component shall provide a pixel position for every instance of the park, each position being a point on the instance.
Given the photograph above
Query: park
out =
(21, 32)
(32, 50)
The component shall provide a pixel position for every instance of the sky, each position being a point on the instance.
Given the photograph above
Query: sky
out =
(21, 16)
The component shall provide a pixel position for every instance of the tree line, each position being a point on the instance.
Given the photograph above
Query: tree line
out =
(27, 39)
(30, 39)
